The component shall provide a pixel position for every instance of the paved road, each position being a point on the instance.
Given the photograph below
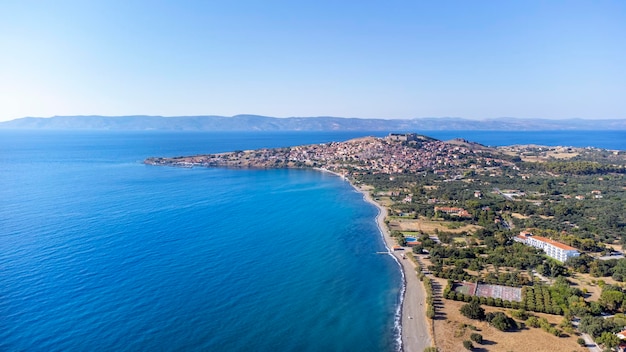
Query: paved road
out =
(589, 343)
(502, 194)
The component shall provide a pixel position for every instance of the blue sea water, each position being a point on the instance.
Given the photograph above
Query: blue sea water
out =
(615, 140)
(100, 252)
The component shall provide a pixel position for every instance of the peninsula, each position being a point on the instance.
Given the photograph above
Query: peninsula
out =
(474, 225)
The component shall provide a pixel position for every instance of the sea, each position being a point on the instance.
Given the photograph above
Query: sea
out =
(99, 252)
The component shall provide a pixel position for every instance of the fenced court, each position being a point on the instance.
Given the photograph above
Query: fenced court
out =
(495, 291)
(466, 288)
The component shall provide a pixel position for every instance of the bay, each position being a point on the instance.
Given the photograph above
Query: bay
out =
(100, 252)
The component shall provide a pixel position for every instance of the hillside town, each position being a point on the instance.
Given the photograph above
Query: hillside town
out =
(395, 154)
(535, 234)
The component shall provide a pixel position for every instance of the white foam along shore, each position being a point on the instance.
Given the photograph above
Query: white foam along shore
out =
(412, 323)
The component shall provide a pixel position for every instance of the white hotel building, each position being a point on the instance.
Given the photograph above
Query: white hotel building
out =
(553, 249)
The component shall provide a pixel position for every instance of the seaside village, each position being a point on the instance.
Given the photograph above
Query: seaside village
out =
(517, 248)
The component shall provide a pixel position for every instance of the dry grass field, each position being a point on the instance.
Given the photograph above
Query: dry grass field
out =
(519, 216)
(451, 329)
(590, 283)
(553, 154)
(429, 226)
(616, 247)
(384, 201)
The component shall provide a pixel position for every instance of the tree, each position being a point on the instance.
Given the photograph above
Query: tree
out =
(468, 345)
(533, 322)
(478, 338)
(611, 299)
(608, 339)
(501, 321)
(473, 310)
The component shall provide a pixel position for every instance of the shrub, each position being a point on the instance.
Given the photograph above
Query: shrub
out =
(581, 341)
(520, 314)
(501, 321)
(478, 338)
(533, 322)
(430, 312)
(473, 310)
(468, 345)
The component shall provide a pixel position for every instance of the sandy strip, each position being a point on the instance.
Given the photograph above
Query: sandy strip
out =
(415, 326)
(416, 331)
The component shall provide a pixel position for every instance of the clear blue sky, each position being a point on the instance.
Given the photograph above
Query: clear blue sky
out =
(388, 59)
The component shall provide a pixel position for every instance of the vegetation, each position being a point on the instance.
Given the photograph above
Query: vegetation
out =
(542, 323)
(478, 338)
(595, 326)
(609, 340)
(501, 321)
(473, 310)
(558, 298)
(520, 314)
(472, 201)
(580, 202)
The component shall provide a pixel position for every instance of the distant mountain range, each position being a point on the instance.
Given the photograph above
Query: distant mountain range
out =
(266, 123)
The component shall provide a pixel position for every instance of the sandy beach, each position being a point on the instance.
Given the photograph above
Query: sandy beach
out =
(415, 326)
(416, 329)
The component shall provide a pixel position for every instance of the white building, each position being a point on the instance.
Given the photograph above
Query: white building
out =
(553, 249)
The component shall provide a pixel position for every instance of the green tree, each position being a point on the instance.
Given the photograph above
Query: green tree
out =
(501, 321)
(608, 339)
(611, 299)
(532, 322)
(473, 310)
(478, 338)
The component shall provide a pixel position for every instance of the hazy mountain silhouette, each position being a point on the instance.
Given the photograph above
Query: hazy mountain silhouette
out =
(265, 123)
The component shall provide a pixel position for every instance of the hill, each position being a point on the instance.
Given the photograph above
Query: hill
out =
(266, 123)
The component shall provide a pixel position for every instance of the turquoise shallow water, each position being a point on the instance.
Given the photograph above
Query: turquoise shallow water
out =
(100, 252)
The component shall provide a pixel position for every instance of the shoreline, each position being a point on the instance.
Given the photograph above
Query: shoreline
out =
(415, 329)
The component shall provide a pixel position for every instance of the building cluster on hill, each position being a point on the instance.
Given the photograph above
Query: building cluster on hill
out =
(390, 155)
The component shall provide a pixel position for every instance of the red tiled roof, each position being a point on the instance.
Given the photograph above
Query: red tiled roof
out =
(554, 243)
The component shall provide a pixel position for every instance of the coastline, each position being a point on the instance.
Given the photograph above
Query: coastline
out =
(414, 325)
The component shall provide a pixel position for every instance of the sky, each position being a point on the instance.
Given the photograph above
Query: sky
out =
(372, 59)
